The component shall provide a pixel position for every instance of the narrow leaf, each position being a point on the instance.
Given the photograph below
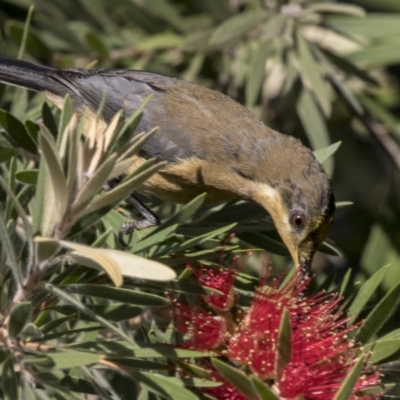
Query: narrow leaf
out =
(237, 26)
(366, 292)
(128, 296)
(236, 378)
(94, 184)
(314, 124)
(284, 345)
(164, 386)
(17, 131)
(95, 256)
(74, 359)
(323, 154)
(263, 389)
(19, 317)
(120, 191)
(9, 380)
(85, 310)
(379, 315)
(311, 75)
(55, 171)
(349, 383)
(256, 73)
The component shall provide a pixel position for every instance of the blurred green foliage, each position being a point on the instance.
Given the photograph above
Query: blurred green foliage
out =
(323, 71)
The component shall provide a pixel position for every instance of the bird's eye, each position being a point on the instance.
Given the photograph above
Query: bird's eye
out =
(298, 220)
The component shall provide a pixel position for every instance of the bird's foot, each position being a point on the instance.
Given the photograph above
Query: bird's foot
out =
(128, 227)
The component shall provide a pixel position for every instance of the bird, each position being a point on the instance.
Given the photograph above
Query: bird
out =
(209, 142)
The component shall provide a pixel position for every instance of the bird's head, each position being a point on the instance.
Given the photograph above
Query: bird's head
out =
(299, 198)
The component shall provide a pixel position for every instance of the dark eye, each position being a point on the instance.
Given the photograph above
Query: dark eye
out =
(298, 220)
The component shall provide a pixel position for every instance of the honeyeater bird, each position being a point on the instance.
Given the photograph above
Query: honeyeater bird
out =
(210, 143)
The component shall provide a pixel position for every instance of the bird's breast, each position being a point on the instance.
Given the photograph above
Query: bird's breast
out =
(183, 180)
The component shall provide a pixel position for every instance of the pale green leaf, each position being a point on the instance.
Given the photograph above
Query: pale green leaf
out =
(55, 171)
(74, 359)
(338, 8)
(323, 154)
(314, 124)
(237, 26)
(95, 256)
(312, 78)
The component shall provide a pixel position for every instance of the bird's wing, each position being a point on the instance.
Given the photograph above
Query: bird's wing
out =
(127, 90)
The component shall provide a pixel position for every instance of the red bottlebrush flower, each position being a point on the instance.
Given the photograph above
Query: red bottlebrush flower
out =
(221, 280)
(225, 392)
(203, 329)
(321, 354)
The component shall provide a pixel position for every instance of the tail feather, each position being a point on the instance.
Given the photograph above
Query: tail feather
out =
(30, 76)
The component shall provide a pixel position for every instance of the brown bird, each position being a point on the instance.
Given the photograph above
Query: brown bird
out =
(210, 142)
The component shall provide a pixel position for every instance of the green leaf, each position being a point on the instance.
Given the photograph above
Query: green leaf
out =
(128, 296)
(130, 363)
(262, 241)
(256, 73)
(366, 292)
(74, 359)
(312, 78)
(379, 315)
(96, 44)
(29, 177)
(34, 45)
(383, 53)
(187, 211)
(263, 389)
(314, 124)
(55, 171)
(169, 387)
(201, 238)
(66, 114)
(96, 182)
(349, 383)
(323, 154)
(26, 224)
(114, 312)
(6, 153)
(87, 311)
(121, 191)
(338, 8)
(49, 121)
(19, 317)
(236, 378)
(237, 26)
(284, 344)
(382, 349)
(17, 131)
(152, 240)
(373, 25)
(8, 250)
(9, 380)
(345, 283)
(142, 350)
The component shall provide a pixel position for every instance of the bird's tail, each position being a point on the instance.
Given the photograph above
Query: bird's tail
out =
(30, 76)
